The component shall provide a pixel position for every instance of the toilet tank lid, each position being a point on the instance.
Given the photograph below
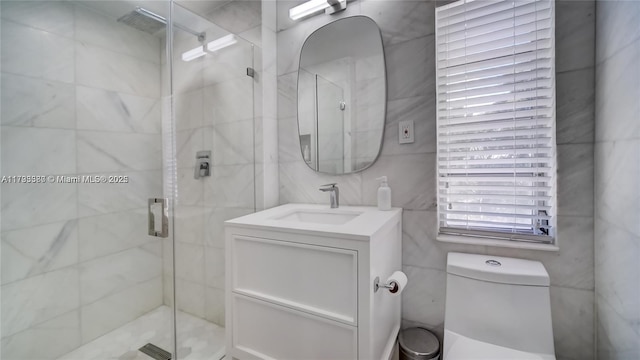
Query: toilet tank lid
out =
(498, 269)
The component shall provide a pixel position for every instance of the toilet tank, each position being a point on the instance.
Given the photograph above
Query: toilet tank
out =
(499, 300)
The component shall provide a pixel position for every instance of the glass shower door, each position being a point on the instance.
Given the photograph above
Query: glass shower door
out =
(213, 101)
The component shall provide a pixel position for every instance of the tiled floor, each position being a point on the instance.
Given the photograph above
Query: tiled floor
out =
(198, 339)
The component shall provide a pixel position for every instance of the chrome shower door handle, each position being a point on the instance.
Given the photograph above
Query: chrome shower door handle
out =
(164, 230)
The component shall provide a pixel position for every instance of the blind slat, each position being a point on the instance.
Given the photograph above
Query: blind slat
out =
(497, 80)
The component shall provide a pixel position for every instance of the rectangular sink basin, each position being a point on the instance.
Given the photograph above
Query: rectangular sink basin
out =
(319, 217)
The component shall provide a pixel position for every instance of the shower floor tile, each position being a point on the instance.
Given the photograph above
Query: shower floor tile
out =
(198, 339)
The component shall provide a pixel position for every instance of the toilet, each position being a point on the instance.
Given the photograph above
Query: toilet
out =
(497, 308)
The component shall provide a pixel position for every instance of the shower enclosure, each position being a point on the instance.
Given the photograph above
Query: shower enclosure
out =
(114, 113)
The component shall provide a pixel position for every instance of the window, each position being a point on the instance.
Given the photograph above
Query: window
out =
(496, 119)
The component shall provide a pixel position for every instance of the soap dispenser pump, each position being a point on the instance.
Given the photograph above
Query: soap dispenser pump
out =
(384, 194)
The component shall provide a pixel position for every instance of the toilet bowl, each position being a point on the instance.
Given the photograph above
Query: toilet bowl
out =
(497, 308)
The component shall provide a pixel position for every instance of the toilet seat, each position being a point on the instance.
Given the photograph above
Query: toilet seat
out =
(458, 347)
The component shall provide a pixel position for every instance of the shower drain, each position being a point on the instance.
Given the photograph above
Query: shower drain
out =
(155, 352)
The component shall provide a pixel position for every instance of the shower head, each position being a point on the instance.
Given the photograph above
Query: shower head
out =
(150, 22)
(138, 19)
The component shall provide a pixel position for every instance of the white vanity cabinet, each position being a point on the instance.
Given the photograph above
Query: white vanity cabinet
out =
(300, 283)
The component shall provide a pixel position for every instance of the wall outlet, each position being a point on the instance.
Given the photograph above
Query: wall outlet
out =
(405, 132)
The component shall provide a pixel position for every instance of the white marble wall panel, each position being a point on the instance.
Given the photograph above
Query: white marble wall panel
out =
(32, 151)
(37, 102)
(410, 177)
(214, 267)
(617, 182)
(288, 140)
(190, 190)
(575, 179)
(97, 67)
(189, 110)
(253, 35)
(25, 205)
(572, 317)
(55, 337)
(189, 224)
(103, 110)
(27, 51)
(419, 245)
(300, 184)
(188, 76)
(214, 305)
(114, 273)
(32, 301)
(188, 143)
(111, 152)
(421, 110)
(39, 249)
(621, 343)
(190, 263)
(214, 224)
(53, 16)
(237, 16)
(191, 298)
(575, 34)
(617, 289)
(424, 300)
(233, 143)
(94, 199)
(617, 194)
(575, 106)
(617, 105)
(227, 101)
(98, 29)
(418, 18)
(287, 95)
(230, 186)
(118, 309)
(617, 27)
(411, 68)
(102, 235)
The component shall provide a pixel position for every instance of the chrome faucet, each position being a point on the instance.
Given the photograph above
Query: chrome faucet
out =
(334, 194)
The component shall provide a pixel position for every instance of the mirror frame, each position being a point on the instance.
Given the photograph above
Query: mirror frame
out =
(386, 95)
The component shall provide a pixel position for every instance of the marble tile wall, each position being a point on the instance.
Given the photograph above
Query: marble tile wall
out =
(80, 96)
(408, 36)
(617, 182)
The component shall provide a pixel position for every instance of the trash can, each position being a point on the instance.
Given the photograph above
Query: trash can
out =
(418, 344)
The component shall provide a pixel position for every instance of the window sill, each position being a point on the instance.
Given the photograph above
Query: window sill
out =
(460, 239)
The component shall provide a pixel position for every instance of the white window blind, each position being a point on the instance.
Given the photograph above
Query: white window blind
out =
(496, 119)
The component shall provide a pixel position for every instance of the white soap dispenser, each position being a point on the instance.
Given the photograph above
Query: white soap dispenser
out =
(384, 194)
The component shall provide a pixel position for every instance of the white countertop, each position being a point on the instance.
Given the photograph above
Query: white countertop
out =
(362, 227)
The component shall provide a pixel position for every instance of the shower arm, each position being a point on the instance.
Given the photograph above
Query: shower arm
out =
(156, 17)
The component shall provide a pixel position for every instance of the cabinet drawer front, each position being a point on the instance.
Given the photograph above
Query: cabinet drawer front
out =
(269, 331)
(315, 279)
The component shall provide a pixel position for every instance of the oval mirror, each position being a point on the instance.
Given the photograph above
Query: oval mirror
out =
(342, 95)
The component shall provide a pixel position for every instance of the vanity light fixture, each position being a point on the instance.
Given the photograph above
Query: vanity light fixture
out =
(222, 42)
(313, 6)
(193, 53)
